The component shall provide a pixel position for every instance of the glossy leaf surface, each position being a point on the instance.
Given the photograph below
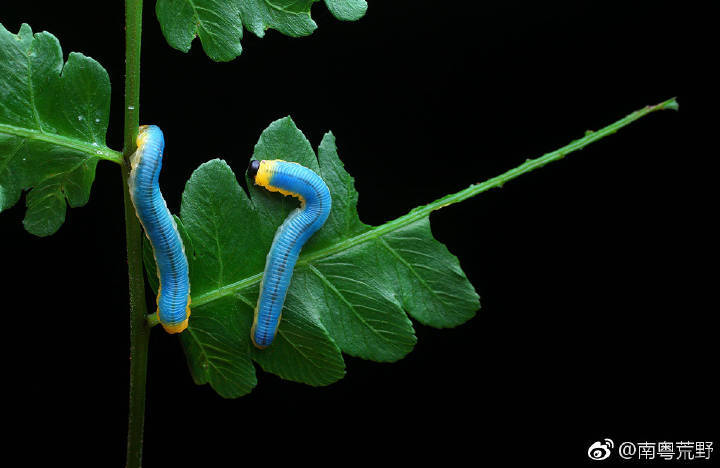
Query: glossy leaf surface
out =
(353, 291)
(219, 23)
(53, 121)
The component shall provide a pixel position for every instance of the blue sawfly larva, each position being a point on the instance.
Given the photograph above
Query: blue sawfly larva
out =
(173, 299)
(288, 178)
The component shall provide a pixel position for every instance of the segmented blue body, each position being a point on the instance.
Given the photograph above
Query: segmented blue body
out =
(296, 180)
(172, 267)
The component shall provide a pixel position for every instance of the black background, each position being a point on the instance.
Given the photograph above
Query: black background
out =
(597, 273)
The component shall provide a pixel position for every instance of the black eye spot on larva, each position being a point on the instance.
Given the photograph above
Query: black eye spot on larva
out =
(253, 169)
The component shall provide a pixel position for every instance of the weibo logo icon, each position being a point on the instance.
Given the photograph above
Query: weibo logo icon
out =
(600, 450)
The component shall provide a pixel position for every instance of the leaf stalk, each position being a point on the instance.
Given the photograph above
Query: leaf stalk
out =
(100, 152)
(423, 211)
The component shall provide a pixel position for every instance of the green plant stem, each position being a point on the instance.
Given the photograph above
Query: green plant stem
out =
(423, 211)
(139, 330)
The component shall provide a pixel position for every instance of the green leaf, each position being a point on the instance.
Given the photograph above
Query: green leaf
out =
(219, 24)
(349, 282)
(347, 10)
(352, 289)
(53, 121)
(216, 22)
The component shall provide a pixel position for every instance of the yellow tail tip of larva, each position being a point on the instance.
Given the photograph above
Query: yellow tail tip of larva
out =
(177, 328)
(257, 345)
(252, 334)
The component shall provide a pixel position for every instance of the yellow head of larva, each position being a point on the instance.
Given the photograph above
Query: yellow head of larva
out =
(141, 136)
(262, 173)
(136, 157)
